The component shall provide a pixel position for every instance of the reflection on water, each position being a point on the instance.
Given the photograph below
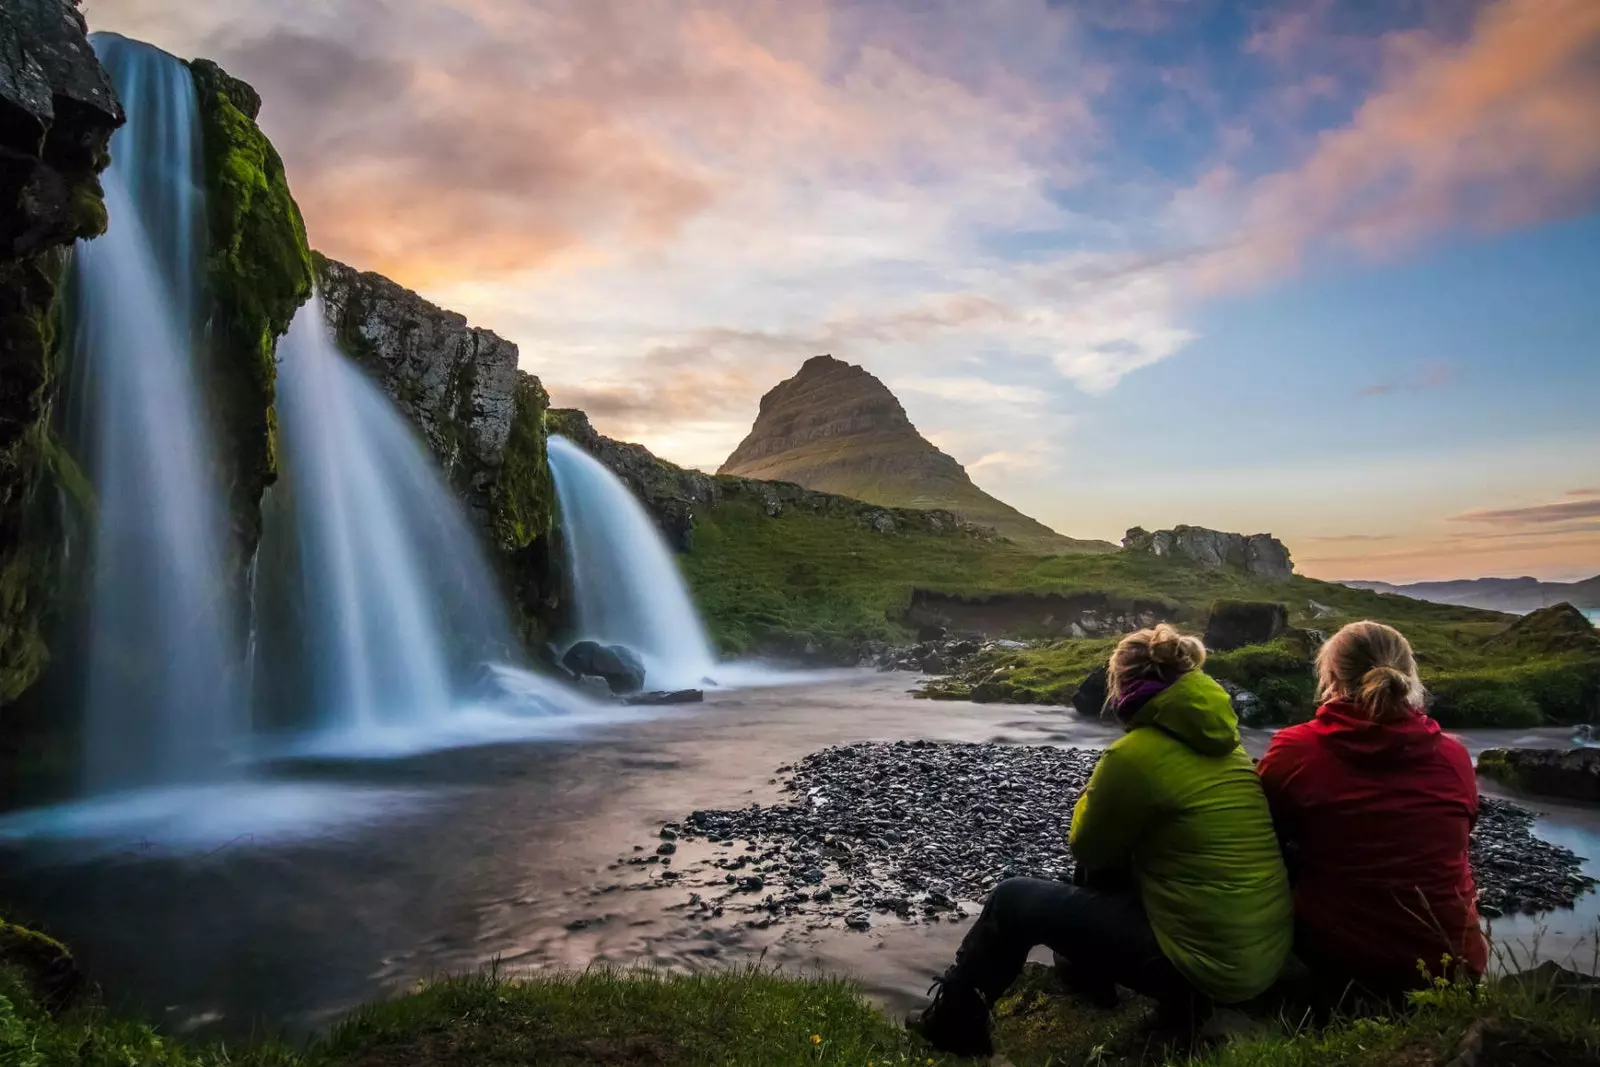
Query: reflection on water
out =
(447, 859)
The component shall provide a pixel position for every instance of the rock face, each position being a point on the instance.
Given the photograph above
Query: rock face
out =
(57, 113)
(673, 495)
(837, 429)
(483, 419)
(1236, 623)
(258, 273)
(1570, 775)
(1259, 555)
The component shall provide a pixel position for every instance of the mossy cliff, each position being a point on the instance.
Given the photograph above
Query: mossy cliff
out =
(57, 113)
(258, 272)
(481, 417)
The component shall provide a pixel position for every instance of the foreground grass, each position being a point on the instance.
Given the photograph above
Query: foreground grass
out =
(758, 1017)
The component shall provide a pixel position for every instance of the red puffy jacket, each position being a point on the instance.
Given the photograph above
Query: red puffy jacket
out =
(1374, 819)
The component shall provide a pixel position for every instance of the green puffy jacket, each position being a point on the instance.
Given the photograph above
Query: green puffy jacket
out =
(1177, 802)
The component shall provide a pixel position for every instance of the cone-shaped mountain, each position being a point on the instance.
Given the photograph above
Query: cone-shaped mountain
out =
(835, 428)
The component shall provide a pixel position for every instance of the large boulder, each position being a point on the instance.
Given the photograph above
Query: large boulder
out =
(1258, 555)
(1090, 698)
(620, 667)
(1236, 623)
(1571, 775)
(44, 963)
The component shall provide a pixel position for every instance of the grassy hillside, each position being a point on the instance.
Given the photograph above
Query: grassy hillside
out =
(808, 582)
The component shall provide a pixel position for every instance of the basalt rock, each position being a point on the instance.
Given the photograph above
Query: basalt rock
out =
(57, 114)
(1258, 555)
(1236, 623)
(620, 667)
(1090, 697)
(1573, 774)
(481, 417)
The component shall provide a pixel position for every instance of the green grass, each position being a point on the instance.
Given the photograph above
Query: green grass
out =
(760, 1017)
(804, 582)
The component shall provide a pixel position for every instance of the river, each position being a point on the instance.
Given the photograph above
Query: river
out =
(503, 852)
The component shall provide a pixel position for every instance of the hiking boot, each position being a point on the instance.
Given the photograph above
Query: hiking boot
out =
(957, 1022)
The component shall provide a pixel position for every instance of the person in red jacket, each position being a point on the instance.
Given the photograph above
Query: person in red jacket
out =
(1374, 807)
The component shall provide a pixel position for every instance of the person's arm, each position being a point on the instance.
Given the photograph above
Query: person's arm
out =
(1277, 770)
(1111, 815)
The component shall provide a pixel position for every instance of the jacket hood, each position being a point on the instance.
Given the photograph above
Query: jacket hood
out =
(1195, 710)
(1358, 738)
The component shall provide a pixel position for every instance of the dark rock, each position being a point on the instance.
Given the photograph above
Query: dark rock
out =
(1572, 774)
(44, 963)
(677, 696)
(1259, 555)
(1090, 697)
(666, 848)
(620, 667)
(1237, 623)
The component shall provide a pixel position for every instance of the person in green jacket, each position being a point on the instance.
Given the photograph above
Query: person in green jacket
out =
(1181, 890)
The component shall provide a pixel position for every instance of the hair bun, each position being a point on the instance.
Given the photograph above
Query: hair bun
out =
(1169, 648)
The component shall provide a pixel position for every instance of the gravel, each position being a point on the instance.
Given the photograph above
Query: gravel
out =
(921, 831)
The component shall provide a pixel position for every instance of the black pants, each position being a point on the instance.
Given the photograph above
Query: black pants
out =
(1101, 939)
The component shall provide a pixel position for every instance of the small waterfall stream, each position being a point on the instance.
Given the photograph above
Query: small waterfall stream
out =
(627, 588)
(162, 678)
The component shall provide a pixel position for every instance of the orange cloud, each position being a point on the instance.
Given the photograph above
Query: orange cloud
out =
(1492, 132)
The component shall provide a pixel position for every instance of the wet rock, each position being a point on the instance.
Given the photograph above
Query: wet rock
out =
(620, 667)
(666, 848)
(1090, 697)
(677, 696)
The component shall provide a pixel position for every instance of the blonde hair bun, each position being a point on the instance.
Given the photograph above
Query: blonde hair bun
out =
(1371, 666)
(1180, 651)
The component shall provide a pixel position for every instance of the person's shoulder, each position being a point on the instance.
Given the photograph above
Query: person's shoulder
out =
(1297, 738)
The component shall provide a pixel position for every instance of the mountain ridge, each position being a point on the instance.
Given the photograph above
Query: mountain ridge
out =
(834, 427)
(1515, 595)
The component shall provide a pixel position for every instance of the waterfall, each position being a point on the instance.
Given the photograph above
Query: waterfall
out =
(626, 586)
(397, 602)
(163, 702)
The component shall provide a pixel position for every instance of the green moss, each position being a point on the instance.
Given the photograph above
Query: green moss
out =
(522, 512)
(259, 272)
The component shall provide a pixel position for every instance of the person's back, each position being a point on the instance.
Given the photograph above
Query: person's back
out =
(1178, 801)
(1375, 806)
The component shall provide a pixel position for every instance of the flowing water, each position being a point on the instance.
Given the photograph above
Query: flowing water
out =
(395, 606)
(627, 589)
(460, 857)
(163, 663)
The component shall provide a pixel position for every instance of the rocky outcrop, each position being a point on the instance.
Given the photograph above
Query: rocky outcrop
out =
(1570, 775)
(57, 113)
(1034, 615)
(258, 273)
(1237, 623)
(673, 494)
(619, 667)
(482, 418)
(1259, 555)
(835, 428)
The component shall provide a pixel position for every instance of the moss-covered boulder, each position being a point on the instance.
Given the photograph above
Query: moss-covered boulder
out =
(481, 417)
(259, 272)
(1571, 774)
(57, 113)
(45, 964)
(1237, 623)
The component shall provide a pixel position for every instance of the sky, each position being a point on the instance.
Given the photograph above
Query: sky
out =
(1325, 269)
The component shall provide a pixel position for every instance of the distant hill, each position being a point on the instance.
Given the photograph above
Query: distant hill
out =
(1516, 595)
(835, 428)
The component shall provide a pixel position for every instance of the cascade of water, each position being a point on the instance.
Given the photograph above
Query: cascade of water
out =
(162, 674)
(397, 600)
(627, 587)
